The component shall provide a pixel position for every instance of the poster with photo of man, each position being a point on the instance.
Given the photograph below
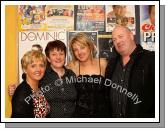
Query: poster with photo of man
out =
(123, 15)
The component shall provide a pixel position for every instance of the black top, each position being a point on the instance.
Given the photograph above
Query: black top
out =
(92, 96)
(22, 103)
(26, 103)
(60, 94)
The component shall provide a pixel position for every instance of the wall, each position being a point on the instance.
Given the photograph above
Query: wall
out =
(11, 53)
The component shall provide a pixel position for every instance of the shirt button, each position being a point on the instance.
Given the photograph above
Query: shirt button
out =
(123, 70)
(65, 109)
(119, 103)
(122, 80)
(62, 89)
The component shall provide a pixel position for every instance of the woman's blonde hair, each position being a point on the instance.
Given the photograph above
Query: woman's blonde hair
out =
(32, 56)
(83, 39)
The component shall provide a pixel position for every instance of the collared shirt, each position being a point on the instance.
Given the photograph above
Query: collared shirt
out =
(118, 93)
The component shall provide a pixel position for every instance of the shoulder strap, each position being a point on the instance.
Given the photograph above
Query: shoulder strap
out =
(99, 66)
(79, 66)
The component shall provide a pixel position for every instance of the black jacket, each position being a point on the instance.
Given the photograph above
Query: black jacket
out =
(141, 82)
(22, 103)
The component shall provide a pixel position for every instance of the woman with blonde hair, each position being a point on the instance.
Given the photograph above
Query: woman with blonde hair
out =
(92, 95)
(28, 100)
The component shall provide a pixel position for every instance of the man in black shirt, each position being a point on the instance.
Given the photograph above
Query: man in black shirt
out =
(132, 69)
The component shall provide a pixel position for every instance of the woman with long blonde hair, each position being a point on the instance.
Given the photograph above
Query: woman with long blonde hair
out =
(92, 99)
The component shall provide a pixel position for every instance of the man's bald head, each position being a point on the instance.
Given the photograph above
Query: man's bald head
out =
(122, 27)
(123, 40)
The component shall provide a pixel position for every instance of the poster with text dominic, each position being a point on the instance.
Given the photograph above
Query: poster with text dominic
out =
(29, 38)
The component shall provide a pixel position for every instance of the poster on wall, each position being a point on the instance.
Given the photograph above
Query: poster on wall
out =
(147, 26)
(105, 46)
(93, 35)
(90, 17)
(31, 17)
(28, 39)
(120, 15)
(60, 16)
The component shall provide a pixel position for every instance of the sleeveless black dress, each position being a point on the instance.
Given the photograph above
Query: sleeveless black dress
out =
(92, 97)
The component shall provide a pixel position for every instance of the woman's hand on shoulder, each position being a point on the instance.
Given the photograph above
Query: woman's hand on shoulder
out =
(11, 89)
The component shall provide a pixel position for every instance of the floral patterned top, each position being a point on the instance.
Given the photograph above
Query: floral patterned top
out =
(41, 106)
